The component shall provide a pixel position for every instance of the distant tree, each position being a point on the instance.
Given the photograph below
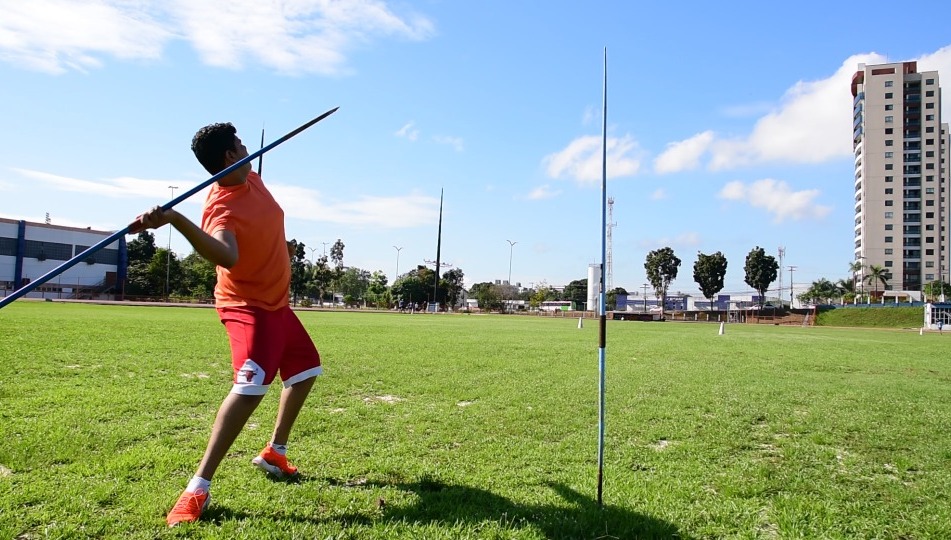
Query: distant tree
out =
(142, 248)
(488, 296)
(354, 283)
(936, 289)
(199, 277)
(709, 272)
(661, 266)
(299, 265)
(377, 289)
(453, 282)
(855, 268)
(415, 285)
(319, 277)
(761, 271)
(336, 255)
(877, 274)
(577, 293)
(610, 299)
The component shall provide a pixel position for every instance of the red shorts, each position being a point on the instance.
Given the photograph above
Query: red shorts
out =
(265, 343)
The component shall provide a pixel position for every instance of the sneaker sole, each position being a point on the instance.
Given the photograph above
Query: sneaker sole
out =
(271, 469)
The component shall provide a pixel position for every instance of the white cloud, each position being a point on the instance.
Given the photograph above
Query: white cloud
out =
(543, 192)
(658, 194)
(683, 240)
(455, 142)
(54, 36)
(582, 159)
(408, 131)
(777, 198)
(304, 36)
(122, 187)
(372, 211)
(745, 110)
(683, 155)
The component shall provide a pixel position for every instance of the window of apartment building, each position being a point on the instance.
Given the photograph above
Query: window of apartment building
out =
(889, 154)
(888, 95)
(889, 178)
(888, 239)
(889, 107)
(929, 264)
(929, 227)
(929, 239)
(889, 131)
(889, 167)
(929, 191)
(889, 119)
(929, 129)
(929, 215)
(929, 142)
(889, 83)
(929, 166)
(888, 264)
(929, 276)
(929, 252)
(888, 251)
(889, 142)
(929, 82)
(929, 178)
(889, 215)
(929, 117)
(929, 105)
(889, 203)
(929, 93)
(888, 226)
(888, 191)
(929, 153)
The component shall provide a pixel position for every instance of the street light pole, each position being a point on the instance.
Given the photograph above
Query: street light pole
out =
(791, 270)
(168, 258)
(511, 249)
(398, 249)
(646, 285)
(325, 247)
(312, 250)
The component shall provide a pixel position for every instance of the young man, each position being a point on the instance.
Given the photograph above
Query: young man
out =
(242, 232)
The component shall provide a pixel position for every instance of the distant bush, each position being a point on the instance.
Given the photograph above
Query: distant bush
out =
(877, 317)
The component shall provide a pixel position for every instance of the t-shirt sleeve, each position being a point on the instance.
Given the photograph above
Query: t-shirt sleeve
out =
(216, 218)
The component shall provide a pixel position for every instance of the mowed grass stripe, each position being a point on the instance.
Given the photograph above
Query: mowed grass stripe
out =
(479, 427)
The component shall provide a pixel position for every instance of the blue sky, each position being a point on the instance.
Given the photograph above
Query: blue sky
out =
(728, 127)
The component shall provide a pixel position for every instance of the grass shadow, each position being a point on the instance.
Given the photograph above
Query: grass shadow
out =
(576, 516)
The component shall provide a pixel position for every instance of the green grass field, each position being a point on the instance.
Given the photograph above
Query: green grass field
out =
(479, 427)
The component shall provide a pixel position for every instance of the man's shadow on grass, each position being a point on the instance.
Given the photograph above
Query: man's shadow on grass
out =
(578, 516)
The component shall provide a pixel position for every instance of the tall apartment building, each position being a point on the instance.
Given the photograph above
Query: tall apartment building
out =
(901, 176)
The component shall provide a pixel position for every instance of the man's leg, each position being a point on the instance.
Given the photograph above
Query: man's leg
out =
(232, 416)
(292, 401)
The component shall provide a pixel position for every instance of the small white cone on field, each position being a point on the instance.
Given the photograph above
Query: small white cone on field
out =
(580, 322)
(721, 329)
(921, 331)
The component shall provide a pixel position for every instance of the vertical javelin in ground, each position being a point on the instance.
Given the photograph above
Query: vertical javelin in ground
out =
(131, 228)
(602, 323)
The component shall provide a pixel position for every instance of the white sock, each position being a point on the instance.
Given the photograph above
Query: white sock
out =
(198, 483)
(279, 448)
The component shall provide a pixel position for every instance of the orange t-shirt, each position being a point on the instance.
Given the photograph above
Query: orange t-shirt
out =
(262, 275)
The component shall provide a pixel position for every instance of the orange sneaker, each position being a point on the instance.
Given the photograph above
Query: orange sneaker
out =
(272, 462)
(189, 507)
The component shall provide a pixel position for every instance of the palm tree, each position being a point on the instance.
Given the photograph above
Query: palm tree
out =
(856, 267)
(877, 274)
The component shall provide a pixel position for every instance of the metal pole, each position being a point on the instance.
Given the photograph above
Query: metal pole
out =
(134, 227)
(645, 286)
(511, 249)
(168, 258)
(398, 249)
(602, 326)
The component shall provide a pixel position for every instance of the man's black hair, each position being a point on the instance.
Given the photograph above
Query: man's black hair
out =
(210, 144)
